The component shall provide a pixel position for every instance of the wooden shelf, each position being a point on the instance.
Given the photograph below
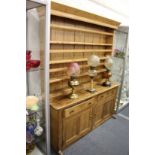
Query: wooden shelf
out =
(81, 51)
(80, 18)
(65, 68)
(75, 35)
(54, 80)
(71, 60)
(65, 91)
(101, 71)
(69, 28)
(79, 43)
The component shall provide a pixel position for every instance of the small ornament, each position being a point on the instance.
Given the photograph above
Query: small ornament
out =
(30, 132)
(31, 63)
(38, 130)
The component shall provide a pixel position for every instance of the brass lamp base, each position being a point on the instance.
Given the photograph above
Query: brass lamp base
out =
(73, 83)
(107, 84)
(73, 96)
(92, 89)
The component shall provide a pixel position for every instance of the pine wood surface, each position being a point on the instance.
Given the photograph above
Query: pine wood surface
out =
(65, 68)
(83, 95)
(73, 13)
(72, 122)
(74, 40)
(80, 43)
(80, 29)
(81, 50)
(74, 36)
(53, 80)
(71, 60)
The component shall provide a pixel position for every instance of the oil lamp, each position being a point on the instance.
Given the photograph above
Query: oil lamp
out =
(93, 62)
(73, 71)
(107, 74)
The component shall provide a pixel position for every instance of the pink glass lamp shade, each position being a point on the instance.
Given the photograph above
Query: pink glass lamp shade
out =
(73, 69)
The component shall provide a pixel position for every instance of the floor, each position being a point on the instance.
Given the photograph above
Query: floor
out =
(36, 151)
(125, 111)
(111, 138)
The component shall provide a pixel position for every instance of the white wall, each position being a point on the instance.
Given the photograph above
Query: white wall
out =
(113, 9)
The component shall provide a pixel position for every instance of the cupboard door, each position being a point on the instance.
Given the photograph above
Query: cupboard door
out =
(104, 108)
(98, 111)
(98, 119)
(85, 121)
(108, 109)
(76, 126)
(70, 129)
(78, 108)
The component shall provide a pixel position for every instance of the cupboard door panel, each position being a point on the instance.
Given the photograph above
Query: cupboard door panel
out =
(85, 121)
(104, 108)
(78, 108)
(76, 126)
(99, 108)
(98, 114)
(70, 129)
(108, 109)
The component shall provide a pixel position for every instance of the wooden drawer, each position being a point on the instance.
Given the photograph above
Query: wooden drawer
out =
(101, 97)
(111, 92)
(75, 109)
(107, 96)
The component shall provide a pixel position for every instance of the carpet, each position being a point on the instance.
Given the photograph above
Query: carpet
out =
(111, 138)
(125, 111)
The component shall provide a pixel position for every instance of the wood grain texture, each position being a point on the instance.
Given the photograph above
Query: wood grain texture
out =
(72, 60)
(75, 35)
(62, 78)
(87, 38)
(76, 120)
(65, 101)
(80, 30)
(76, 14)
(80, 49)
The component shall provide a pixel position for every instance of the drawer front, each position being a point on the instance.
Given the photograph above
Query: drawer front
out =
(75, 109)
(107, 96)
(101, 97)
(111, 92)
